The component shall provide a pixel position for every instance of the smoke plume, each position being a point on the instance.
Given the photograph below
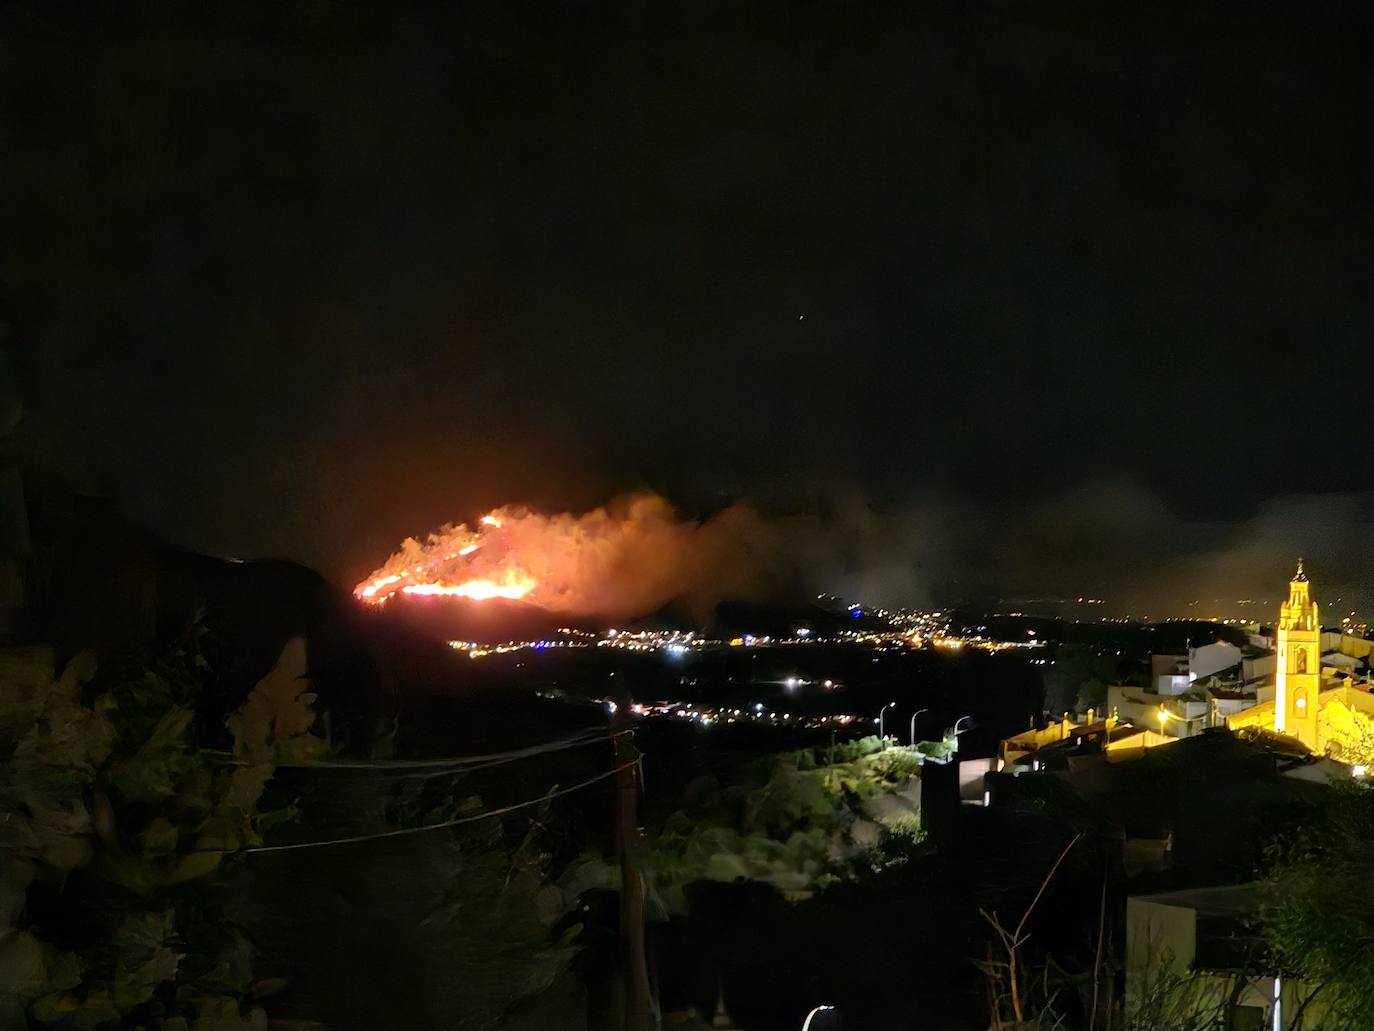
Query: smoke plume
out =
(626, 558)
(1110, 539)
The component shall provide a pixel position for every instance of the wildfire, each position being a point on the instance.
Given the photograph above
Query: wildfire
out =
(479, 590)
(628, 557)
(456, 562)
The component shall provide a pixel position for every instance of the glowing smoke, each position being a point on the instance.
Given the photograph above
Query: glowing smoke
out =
(1110, 538)
(630, 557)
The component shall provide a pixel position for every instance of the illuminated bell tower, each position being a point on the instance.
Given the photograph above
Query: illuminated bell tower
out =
(1299, 664)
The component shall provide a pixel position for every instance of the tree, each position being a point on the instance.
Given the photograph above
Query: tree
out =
(1318, 917)
(1018, 999)
(105, 795)
(129, 829)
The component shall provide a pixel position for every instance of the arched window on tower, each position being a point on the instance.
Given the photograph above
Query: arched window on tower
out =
(1300, 662)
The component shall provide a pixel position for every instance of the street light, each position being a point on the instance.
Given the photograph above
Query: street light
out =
(881, 712)
(956, 731)
(806, 1025)
(913, 725)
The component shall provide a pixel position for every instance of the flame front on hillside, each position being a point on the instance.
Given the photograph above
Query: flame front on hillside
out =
(455, 562)
(627, 558)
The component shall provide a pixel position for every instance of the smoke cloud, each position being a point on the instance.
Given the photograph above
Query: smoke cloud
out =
(1111, 539)
(629, 557)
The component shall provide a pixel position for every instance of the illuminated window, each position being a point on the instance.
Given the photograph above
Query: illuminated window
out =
(1300, 664)
(1300, 702)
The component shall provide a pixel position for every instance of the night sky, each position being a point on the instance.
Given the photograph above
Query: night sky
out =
(1028, 297)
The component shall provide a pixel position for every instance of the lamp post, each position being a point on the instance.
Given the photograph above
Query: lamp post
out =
(881, 713)
(956, 731)
(1187, 721)
(806, 1025)
(913, 725)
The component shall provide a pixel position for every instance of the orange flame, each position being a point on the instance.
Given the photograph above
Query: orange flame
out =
(376, 585)
(444, 567)
(628, 557)
(478, 590)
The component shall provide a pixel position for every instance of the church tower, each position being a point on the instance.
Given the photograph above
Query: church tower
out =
(1299, 664)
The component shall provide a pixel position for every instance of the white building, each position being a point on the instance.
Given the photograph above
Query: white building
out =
(1193, 941)
(1212, 658)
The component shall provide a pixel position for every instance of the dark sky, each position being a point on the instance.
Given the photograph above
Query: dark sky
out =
(299, 280)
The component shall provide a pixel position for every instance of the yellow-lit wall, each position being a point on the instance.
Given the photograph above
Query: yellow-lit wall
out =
(1336, 719)
(1033, 740)
(1261, 716)
(1355, 647)
(1159, 935)
(1133, 747)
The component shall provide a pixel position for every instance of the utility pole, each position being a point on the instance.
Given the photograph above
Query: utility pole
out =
(638, 1013)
